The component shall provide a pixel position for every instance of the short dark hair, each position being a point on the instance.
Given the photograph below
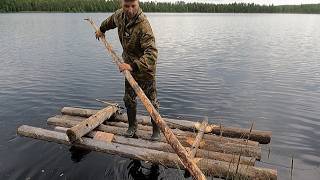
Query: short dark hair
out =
(129, 0)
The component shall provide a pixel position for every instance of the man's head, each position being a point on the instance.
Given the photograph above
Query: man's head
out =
(130, 7)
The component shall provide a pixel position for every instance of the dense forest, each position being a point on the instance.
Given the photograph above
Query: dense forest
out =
(112, 5)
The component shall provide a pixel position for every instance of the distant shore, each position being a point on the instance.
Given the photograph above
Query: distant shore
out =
(80, 6)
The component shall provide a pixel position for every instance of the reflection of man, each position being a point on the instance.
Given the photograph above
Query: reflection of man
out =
(140, 171)
(140, 57)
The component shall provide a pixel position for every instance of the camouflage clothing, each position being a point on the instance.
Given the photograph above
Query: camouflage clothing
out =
(138, 43)
(149, 88)
(139, 51)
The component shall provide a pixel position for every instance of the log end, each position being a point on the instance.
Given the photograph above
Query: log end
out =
(21, 130)
(72, 137)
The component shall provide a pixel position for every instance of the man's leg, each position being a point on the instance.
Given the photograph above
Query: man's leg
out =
(150, 89)
(131, 106)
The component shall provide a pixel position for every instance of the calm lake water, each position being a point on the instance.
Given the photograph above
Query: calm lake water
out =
(234, 68)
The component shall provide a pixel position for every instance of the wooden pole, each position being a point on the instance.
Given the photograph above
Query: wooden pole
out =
(263, 137)
(212, 167)
(79, 130)
(162, 146)
(198, 139)
(172, 140)
(186, 141)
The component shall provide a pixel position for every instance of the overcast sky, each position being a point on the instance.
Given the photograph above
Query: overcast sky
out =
(275, 2)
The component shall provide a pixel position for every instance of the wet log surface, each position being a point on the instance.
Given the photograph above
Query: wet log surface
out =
(263, 137)
(162, 146)
(210, 167)
(185, 139)
(87, 125)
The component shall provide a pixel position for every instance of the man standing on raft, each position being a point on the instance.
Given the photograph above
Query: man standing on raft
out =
(139, 55)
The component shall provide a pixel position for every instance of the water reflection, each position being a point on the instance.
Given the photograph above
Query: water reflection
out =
(140, 171)
(77, 153)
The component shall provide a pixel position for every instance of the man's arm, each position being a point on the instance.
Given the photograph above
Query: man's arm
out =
(147, 63)
(109, 23)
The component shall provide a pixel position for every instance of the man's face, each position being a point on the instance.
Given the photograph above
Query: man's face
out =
(130, 8)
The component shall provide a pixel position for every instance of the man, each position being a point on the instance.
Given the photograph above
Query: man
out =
(140, 57)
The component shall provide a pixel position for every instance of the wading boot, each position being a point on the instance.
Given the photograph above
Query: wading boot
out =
(155, 131)
(131, 113)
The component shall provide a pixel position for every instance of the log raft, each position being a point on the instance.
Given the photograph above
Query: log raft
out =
(141, 134)
(223, 156)
(263, 137)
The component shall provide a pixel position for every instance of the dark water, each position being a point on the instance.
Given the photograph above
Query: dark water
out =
(235, 68)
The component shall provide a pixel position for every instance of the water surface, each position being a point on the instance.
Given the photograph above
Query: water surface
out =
(234, 68)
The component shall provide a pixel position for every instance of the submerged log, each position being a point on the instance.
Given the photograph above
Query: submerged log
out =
(79, 130)
(263, 137)
(228, 148)
(162, 146)
(210, 167)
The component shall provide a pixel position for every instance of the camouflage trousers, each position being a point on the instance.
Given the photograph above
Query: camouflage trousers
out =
(148, 87)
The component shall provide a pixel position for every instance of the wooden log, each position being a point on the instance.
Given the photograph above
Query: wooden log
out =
(198, 139)
(161, 146)
(147, 127)
(244, 150)
(187, 134)
(210, 167)
(79, 130)
(263, 137)
(206, 137)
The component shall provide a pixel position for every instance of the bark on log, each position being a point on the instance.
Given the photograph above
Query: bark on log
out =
(198, 139)
(168, 134)
(210, 167)
(79, 130)
(263, 137)
(147, 126)
(220, 139)
(237, 149)
(161, 146)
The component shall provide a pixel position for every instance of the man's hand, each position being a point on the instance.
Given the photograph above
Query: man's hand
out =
(99, 34)
(125, 66)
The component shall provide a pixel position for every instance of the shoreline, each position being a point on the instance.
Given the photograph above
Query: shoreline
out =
(161, 12)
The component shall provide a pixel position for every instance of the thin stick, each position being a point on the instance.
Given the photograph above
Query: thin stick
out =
(198, 138)
(291, 169)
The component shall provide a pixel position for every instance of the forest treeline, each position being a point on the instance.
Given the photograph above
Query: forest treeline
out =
(112, 5)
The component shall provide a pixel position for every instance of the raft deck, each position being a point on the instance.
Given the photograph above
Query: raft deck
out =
(218, 151)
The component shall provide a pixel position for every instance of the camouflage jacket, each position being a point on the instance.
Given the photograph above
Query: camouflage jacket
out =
(138, 43)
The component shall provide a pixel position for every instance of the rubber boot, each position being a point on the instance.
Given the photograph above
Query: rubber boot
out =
(155, 131)
(132, 129)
